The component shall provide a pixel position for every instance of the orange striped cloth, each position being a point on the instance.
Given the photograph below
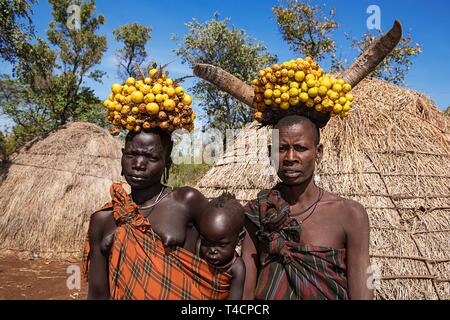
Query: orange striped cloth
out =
(141, 267)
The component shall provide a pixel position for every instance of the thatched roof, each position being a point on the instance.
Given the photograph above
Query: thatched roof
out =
(50, 187)
(392, 155)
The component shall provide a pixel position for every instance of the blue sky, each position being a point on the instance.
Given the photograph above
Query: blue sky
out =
(427, 22)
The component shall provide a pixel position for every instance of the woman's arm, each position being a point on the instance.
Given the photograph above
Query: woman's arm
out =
(98, 285)
(358, 253)
(249, 256)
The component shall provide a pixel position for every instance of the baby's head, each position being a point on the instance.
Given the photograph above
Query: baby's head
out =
(220, 229)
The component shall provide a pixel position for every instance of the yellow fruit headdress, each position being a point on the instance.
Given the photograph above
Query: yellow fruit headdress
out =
(294, 86)
(149, 102)
(300, 86)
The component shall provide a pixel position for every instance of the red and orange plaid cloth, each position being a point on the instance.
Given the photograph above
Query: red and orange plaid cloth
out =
(141, 267)
(290, 270)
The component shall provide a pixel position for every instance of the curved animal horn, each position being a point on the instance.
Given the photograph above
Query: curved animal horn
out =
(373, 55)
(225, 81)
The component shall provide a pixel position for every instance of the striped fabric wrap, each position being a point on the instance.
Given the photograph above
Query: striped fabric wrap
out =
(141, 267)
(289, 270)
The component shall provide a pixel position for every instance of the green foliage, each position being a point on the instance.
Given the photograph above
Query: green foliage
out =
(217, 43)
(15, 28)
(306, 28)
(397, 64)
(48, 86)
(134, 38)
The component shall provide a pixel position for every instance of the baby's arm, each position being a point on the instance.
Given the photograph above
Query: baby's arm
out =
(237, 271)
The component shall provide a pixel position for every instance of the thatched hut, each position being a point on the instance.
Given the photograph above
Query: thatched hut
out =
(392, 155)
(49, 188)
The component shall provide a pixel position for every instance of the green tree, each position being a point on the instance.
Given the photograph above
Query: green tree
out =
(215, 42)
(306, 28)
(48, 88)
(134, 37)
(16, 28)
(397, 64)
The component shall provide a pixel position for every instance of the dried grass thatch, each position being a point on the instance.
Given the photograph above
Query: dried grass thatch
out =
(49, 188)
(392, 155)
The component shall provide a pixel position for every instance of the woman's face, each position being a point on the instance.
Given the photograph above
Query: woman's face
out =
(143, 160)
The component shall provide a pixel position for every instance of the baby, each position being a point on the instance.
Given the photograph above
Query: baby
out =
(221, 229)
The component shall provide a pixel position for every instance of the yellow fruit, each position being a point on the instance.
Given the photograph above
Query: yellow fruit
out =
(342, 100)
(299, 76)
(304, 96)
(169, 105)
(187, 100)
(117, 107)
(284, 105)
(268, 94)
(179, 91)
(269, 85)
(148, 80)
(131, 89)
(304, 87)
(145, 89)
(277, 101)
(149, 98)
(130, 81)
(346, 107)
(349, 97)
(268, 102)
(309, 77)
(318, 107)
(152, 108)
(333, 95)
(293, 92)
(284, 88)
(170, 92)
(291, 73)
(111, 106)
(106, 103)
(159, 97)
(311, 83)
(294, 101)
(337, 108)
(153, 72)
(131, 120)
(322, 91)
(116, 88)
(284, 79)
(157, 88)
(258, 116)
(337, 87)
(117, 118)
(129, 127)
(165, 96)
(125, 109)
(344, 114)
(346, 87)
(310, 103)
(326, 83)
(341, 82)
(261, 73)
(169, 82)
(294, 85)
(135, 110)
(137, 97)
(313, 92)
(284, 97)
(276, 93)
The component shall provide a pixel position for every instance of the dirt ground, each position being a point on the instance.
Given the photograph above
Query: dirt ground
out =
(37, 279)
